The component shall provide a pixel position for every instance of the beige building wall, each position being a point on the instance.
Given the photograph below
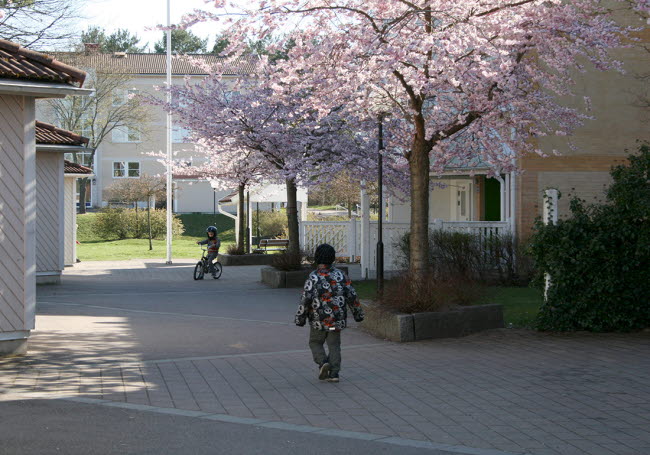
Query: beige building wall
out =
(70, 222)
(49, 217)
(197, 199)
(441, 202)
(17, 221)
(621, 118)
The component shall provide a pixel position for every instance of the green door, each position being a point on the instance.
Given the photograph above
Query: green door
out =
(492, 200)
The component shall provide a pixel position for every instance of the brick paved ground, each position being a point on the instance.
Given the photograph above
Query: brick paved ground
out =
(514, 391)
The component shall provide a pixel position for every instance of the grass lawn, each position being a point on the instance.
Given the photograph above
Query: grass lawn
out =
(183, 246)
(520, 304)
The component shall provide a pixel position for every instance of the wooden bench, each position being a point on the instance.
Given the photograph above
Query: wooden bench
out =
(267, 245)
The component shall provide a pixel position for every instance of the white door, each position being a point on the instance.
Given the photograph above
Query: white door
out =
(462, 189)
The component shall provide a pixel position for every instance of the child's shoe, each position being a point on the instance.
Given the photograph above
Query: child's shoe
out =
(324, 371)
(333, 377)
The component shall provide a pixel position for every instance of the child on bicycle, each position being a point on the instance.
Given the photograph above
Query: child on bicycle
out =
(213, 243)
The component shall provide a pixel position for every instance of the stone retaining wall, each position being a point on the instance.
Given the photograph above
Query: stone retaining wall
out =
(459, 322)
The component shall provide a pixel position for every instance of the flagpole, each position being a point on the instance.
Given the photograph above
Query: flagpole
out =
(168, 133)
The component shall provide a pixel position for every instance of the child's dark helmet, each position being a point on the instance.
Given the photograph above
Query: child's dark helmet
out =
(211, 229)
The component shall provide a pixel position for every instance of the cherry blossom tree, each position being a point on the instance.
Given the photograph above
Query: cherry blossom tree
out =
(268, 120)
(464, 80)
(226, 167)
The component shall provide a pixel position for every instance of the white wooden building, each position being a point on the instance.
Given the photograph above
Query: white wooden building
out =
(25, 75)
(53, 234)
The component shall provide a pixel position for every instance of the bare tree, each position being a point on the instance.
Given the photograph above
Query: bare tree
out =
(126, 191)
(151, 188)
(43, 23)
(110, 108)
(132, 191)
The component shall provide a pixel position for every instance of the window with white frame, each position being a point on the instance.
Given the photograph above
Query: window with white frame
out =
(121, 96)
(126, 169)
(84, 158)
(125, 134)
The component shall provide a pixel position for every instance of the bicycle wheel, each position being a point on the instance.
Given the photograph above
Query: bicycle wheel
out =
(198, 271)
(217, 270)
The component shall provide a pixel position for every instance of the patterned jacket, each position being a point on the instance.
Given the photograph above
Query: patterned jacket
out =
(325, 300)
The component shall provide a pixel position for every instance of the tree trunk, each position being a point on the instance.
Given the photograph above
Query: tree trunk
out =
(241, 215)
(349, 208)
(419, 165)
(149, 222)
(137, 222)
(292, 217)
(82, 195)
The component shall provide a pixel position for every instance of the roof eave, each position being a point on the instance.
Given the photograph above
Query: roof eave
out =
(40, 89)
(63, 148)
(79, 176)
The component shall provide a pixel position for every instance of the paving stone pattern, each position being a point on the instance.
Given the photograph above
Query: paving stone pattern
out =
(515, 391)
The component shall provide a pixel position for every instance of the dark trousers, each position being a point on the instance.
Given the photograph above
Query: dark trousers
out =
(211, 257)
(317, 338)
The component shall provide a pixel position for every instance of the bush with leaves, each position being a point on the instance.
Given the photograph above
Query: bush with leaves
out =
(117, 223)
(599, 258)
(271, 224)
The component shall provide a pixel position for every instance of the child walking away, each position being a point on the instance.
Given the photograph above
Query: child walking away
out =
(327, 295)
(213, 243)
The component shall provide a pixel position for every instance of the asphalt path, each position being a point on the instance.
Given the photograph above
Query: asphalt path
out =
(58, 427)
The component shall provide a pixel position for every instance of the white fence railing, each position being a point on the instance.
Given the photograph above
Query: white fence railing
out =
(342, 235)
(347, 237)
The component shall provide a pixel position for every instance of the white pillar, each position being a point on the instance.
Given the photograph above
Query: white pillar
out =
(249, 213)
(502, 198)
(365, 232)
(513, 205)
(507, 198)
(550, 216)
(303, 211)
(352, 239)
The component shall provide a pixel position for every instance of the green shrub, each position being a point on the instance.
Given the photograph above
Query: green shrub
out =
(117, 223)
(599, 258)
(271, 224)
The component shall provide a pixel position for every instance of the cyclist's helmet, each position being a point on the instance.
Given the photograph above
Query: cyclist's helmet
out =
(211, 229)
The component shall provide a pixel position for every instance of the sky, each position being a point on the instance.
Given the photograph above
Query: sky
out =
(137, 15)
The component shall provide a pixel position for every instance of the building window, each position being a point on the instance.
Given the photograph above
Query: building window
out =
(125, 134)
(126, 169)
(179, 135)
(83, 158)
(134, 170)
(121, 96)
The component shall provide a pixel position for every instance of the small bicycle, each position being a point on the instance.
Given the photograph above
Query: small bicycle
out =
(203, 267)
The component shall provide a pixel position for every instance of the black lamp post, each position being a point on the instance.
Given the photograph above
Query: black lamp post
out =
(380, 184)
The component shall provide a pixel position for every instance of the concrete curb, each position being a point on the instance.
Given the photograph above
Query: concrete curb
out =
(405, 327)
